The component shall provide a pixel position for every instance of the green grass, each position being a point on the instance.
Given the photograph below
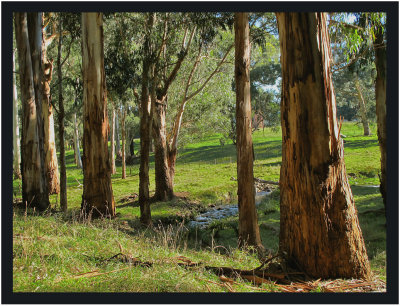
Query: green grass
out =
(51, 250)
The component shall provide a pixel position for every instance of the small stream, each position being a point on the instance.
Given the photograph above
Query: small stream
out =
(222, 211)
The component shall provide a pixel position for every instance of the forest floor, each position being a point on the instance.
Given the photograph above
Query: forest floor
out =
(53, 252)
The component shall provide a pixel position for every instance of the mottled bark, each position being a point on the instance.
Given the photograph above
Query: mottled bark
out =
(112, 141)
(363, 109)
(380, 96)
(16, 140)
(51, 163)
(97, 190)
(34, 187)
(249, 233)
(319, 227)
(61, 117)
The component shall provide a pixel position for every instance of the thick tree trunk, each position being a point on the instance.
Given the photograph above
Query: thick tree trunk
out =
(77, 151)
(380, 96)
(112, 153)
(319, 227)
(97, 190)
(123, 143)
(16, 140)
(164, 186)
(51, 163)
(249, 233)
(363, 110)
(34, 188)
(61, 116)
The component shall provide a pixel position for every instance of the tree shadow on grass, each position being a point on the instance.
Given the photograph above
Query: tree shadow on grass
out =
(360, 143)
(263, 150)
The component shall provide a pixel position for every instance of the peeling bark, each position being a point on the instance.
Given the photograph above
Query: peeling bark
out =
(34, 187)
(249, 233)
(319, 227)
(51, 163)
(97, 190)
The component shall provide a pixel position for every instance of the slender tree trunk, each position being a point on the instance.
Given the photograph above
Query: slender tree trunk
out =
(16, 140)
(78, 159)
(249, 233)
(117, 139)
(319, 227)
(51, 163)
(61, 116)
(380, 96)
(34, 188)
(146, 115)
(112, 154)
(97, 190)
(164, 187)
(123, 142)
(363, 110)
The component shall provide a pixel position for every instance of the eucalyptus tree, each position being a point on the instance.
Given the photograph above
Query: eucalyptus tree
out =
(319, 227)
(169, 53)
(122, 72)
(29, 42)
(61, 115)
(97, 190)
(203, 68)
(367, 34)
(249, 232)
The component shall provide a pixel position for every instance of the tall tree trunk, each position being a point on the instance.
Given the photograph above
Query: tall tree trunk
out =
(97, 190)
(78, 159)
(112, 153)
(380, 96)
(34, 188)
(319, 227)
(51, 163)
(249, 233)
(16, 140)
(123, 142)
(146, 115)
(164, 186)
(363, 110)
(117, 139)
(61, 116)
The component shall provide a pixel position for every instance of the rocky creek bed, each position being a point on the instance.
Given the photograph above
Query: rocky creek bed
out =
(203, 220)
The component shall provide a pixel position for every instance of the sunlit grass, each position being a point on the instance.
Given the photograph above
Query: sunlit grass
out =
(50, 251)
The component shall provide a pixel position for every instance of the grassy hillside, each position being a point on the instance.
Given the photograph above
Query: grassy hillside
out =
(53, 252)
